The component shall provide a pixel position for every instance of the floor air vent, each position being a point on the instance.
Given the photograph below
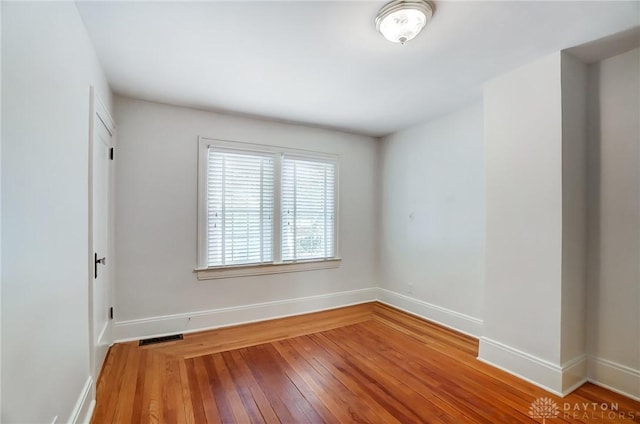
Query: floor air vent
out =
(162, 339)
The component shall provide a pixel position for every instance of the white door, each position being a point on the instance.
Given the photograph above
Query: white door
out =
(100, 285)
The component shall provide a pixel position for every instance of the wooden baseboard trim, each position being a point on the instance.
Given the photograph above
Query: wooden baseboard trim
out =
(530, 368)
(445, 317)
(83, 409)
(615, 377)
(224, 317)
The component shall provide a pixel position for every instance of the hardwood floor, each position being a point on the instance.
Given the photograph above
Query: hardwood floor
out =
(365, 363)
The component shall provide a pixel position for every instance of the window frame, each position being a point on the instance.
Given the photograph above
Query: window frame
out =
(277, 266)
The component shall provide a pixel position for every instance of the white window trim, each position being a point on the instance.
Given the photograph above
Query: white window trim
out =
(213, 273)
(276, 267)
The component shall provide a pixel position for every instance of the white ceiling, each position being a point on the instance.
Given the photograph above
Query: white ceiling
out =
(323, 63)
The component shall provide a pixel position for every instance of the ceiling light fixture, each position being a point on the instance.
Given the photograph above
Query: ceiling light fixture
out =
(401, 20)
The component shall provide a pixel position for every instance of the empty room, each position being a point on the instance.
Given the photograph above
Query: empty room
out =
(400, 211)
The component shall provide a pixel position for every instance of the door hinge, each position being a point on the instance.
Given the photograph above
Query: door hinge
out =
(111, 153)
(111, 312)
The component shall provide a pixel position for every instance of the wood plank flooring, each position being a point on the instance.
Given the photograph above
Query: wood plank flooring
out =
(365, 363)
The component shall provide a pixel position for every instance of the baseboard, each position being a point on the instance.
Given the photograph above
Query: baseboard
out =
(536, 371)
(83, 409)
(574, 374)
(451, 319)
(557, 379)
(615, 377)
(224, 317)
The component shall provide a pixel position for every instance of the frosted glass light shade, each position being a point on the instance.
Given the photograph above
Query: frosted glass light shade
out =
(400, 21)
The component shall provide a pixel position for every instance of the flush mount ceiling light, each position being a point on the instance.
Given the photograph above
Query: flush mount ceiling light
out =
(401, 20)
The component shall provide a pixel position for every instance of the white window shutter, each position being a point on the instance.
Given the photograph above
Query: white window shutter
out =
(240, 190)
(308, 208)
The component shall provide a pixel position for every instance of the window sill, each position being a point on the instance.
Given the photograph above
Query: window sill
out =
(265, 269)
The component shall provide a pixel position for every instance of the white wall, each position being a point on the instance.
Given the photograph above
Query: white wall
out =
(48, 64)
(432, 214)
(156, 164)
(524, 208)
(574, 208)
(535, 313)
(574, 222)
(0, 212)
(538, 155)
(535, 119)
(614, 220)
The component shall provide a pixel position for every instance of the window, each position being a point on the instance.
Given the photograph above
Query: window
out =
(239, 208)
(307, 208)
(264, 209)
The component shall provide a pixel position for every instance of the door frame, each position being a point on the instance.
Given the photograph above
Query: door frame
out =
(99, 115)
